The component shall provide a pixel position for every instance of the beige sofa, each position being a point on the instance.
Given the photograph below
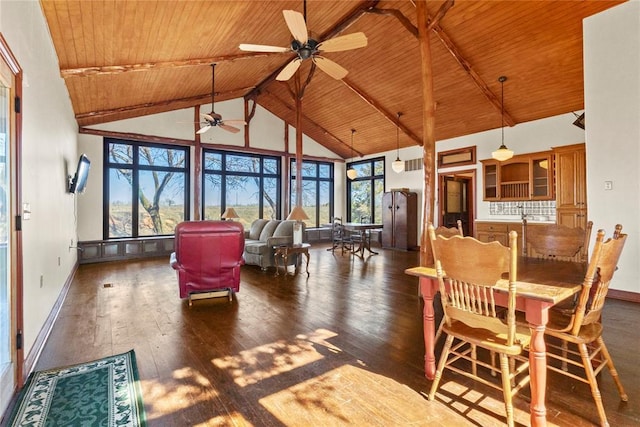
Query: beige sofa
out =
(263, 235)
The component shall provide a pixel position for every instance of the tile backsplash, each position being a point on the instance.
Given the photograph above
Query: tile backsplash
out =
(533, 207)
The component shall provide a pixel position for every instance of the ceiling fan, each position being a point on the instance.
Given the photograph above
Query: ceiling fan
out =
(214, 119)
(309, 48)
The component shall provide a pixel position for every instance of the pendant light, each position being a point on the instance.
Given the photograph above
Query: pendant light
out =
(398, 165)
(352, 173)
(502, 153)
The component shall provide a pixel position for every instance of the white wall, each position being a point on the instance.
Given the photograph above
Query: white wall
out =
(612, 105)
(49, 141)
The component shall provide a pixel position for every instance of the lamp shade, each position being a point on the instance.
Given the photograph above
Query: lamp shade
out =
(298, 214)
(397, 165)
(230, 213)
(502, 153)
(352, 173)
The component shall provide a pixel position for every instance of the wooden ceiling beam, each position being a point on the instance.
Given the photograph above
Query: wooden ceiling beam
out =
(378, 107)
(118, 69)
(309, 122)
(434, 26)
(174, 104)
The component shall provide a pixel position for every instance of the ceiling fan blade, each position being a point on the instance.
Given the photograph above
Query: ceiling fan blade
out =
(207, 117)
(296, 24)
(328, 66)
(203, 129)
(289, 70)
(263, 48)
(235, 122)
(229, 128)
(346, 42)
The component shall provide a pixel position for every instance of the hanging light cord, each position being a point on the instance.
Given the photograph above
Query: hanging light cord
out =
(398, 137)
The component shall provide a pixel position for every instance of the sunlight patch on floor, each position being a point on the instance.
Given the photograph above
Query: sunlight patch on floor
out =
(186, 388)
(266, 361)
(338, 394)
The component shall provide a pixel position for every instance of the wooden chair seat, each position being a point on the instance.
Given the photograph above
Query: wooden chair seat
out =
(490, 340)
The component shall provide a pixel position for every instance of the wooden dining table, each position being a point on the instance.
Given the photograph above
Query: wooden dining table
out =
(365, 242)
(541, 284)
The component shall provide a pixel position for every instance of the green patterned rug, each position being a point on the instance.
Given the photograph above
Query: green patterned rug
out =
(104, 392)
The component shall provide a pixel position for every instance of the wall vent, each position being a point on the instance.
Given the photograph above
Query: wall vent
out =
(413, 164)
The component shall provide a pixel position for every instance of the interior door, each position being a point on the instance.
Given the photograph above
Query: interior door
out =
(10, 285)
(456, 202)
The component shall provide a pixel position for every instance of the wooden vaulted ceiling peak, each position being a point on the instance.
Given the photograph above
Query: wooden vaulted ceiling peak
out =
(133, 58)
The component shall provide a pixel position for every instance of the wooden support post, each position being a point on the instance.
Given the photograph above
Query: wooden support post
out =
(197, 175)
(428, 125)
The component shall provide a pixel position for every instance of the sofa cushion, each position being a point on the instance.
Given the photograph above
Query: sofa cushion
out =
(268, 229)
(256, 248)
(256, 228)
(285, 228)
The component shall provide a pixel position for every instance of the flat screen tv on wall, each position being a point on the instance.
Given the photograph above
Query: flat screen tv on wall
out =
(78, 182)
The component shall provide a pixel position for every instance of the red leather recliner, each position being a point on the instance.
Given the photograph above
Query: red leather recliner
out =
(208, 256)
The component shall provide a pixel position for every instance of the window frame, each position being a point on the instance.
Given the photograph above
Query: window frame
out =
(317, 179)
(223, 172)
(136, 168)
(372, 178)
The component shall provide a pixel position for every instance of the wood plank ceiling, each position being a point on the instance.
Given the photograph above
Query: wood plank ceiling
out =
(129, 58)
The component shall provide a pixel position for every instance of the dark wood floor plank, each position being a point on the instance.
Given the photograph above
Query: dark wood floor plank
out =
(343, 346)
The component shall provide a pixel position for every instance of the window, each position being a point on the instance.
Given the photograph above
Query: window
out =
(146, 188)
(317, 191)
(249, 183)
(364, 194)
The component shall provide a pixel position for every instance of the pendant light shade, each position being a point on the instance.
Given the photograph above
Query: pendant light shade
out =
(398, 165)
(351, 172)
(502, 153)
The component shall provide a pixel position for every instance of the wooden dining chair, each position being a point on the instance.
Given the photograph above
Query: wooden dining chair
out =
(556, 241)
(340, 238)
(581, 328)
(467, 272)
(441, 230)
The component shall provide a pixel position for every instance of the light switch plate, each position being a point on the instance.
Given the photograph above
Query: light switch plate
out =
(608, 185)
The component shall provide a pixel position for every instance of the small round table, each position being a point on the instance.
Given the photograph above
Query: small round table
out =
(282, 252)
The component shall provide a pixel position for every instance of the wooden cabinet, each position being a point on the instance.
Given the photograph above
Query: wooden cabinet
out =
(571, 185)
(524, 177)
(400, 220)
(492, 232)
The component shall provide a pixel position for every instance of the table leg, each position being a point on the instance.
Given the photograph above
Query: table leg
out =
(307, 255)
(538, 375)
(428, 288)
(368, 245)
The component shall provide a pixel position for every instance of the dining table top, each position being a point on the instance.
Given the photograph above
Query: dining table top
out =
(539, 279)
(361, 225)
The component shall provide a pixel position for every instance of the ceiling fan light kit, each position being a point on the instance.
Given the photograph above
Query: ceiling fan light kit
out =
(398, 165)
(502, 153)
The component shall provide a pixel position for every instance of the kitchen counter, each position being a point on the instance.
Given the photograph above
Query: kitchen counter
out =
(508, 219)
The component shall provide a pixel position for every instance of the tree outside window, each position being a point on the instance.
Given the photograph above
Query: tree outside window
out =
(364, 194)
(249, 183)
(317, 191)
(147, 188)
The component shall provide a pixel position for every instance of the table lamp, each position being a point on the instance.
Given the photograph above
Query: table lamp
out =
(229, 214)
(298, 215)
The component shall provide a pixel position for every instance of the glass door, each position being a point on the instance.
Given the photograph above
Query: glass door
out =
(10, 365)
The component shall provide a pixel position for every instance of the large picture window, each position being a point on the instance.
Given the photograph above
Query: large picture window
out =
(249, 183)
(146, 188)
(364, 193)
(317, 191)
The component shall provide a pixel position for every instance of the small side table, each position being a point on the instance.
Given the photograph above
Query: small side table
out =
(282, 252)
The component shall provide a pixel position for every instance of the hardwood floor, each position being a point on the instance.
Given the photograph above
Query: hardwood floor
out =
(341, 347)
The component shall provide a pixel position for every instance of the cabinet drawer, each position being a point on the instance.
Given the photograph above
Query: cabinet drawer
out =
(492, 227)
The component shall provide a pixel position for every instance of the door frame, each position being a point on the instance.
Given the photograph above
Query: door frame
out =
(15, 212)
(470, 174)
